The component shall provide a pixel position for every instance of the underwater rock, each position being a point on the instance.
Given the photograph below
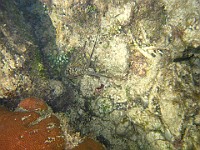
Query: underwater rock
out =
(134, 67)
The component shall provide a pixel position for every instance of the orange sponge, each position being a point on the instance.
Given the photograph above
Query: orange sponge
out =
(89, 144)
(33, 104)
(28, 130)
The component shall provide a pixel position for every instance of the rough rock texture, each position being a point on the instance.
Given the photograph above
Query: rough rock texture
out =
(126, 71)
(14, 44)
(136, 64)
(22, 69)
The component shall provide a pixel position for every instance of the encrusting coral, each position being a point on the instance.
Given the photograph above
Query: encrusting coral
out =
(89, 144)
(33, 104)
(28, 129)
(32, 127)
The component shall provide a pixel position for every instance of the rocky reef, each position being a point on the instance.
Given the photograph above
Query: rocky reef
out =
(126, 72)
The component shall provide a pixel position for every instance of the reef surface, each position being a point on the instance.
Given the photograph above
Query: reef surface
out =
(126, 72)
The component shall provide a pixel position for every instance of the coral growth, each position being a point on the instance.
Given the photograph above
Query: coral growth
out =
(89, 144)
(33, 127)
(33, 104)
(30, 130)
